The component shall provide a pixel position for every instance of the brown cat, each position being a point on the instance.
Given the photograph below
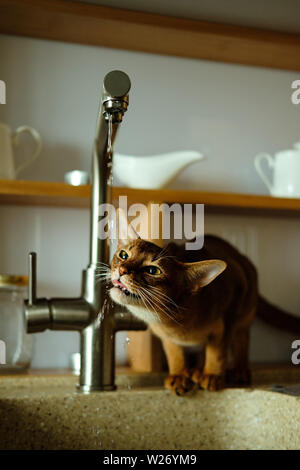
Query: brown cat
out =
(207, 297)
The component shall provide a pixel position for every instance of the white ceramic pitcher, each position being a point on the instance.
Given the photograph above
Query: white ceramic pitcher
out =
(152, 172)
(286, 172)
(9, 140)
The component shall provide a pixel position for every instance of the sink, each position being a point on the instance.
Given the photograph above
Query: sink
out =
(46, 412)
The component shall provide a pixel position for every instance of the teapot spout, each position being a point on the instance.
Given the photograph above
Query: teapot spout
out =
(152, 172)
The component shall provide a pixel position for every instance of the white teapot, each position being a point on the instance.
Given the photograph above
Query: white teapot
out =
(286, 172)
(9, 140)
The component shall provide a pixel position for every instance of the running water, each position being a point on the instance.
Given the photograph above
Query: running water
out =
(111, 222)
(109, 151)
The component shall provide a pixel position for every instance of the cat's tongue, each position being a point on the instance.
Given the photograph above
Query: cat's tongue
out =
(119, 284)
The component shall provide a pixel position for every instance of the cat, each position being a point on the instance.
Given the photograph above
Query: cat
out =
(206, 297)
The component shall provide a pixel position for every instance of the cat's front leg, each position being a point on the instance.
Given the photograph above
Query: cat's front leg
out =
(178, 380)
(213, 375)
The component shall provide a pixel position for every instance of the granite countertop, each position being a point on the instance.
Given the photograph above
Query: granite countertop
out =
(46, 412)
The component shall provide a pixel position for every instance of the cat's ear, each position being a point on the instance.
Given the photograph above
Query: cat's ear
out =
(125, 230)
(203, 272)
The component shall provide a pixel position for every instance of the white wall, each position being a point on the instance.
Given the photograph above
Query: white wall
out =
(229, 112)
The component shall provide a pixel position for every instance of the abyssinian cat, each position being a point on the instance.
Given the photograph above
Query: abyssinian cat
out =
(206, 297)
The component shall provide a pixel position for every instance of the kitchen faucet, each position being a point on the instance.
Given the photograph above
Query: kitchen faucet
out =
(92, 314)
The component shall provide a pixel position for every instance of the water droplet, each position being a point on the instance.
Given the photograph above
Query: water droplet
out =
(127, 340)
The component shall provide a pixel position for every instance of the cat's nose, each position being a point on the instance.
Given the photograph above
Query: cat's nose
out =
(123, 270)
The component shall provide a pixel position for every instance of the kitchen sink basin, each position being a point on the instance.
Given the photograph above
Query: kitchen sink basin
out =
(39, 411)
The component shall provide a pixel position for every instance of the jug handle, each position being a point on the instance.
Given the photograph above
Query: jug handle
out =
(36, 136)
(257, 163)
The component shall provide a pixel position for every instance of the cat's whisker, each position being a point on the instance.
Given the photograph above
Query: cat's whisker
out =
(146, 302)
(102, 273)
(102, 281)
(104, 277)
(161, 294)
(163, 254)
(152, 307)
(165, 257)
(165, 296)
(102, 264)
(167, 310)
(144, 299)
(163, 251)
(155, 301)
(168, 302)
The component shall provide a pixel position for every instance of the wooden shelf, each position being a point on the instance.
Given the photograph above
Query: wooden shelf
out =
(63, 195)
(38, 193)
(85, 23)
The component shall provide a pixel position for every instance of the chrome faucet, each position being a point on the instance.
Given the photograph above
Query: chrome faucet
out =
(92, 314)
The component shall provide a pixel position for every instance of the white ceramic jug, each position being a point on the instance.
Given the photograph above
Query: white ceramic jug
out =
(286, 172)
(8, 140)
(152, 172)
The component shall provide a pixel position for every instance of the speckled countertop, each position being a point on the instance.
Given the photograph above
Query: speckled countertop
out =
(46, 412)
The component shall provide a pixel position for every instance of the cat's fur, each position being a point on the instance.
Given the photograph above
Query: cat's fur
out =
(207, 297)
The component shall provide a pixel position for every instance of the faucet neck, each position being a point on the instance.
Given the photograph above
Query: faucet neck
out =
(114, 103)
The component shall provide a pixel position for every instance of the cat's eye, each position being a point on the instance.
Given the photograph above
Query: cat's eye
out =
(154, 270)
(123, 254)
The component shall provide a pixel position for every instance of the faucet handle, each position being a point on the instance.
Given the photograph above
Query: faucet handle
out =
(37, 311)
(32, 279)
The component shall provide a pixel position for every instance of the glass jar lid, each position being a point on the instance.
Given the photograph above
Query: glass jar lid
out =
(13, 280)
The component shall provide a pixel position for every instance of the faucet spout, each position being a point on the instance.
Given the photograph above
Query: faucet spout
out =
(92, 314)
(114, 103)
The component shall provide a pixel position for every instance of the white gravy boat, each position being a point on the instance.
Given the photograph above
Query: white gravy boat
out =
(152, 172)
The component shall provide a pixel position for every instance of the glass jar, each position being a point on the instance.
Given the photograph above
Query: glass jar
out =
(15, 343)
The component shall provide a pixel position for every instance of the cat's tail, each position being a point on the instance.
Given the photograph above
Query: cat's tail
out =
(276, 317)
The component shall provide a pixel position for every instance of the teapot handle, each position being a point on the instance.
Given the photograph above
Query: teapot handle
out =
(36, 136)
(297, 146)
(257, 163)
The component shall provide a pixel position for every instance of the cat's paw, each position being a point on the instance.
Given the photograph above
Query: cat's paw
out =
(179, 384)
(210, 382)
(196, 375)
(238, 377)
